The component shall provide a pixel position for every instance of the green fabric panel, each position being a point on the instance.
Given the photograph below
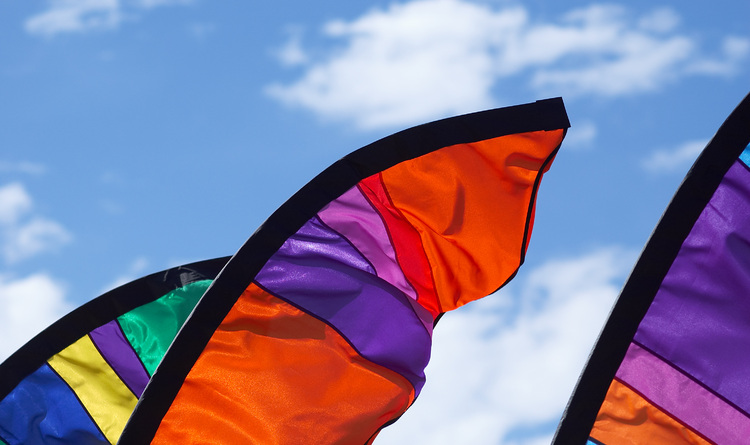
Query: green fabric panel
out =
(151, 328)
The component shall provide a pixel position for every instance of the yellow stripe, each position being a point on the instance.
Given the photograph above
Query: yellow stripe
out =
(104, 395)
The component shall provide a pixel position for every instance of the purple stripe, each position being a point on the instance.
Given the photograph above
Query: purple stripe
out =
(319, 271)
(684, 399)
(120, 355)
(699, 317)
(353, 217)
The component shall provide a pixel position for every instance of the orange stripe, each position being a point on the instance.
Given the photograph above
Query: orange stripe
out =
(627, 418)
(483, 191)
(272, 374)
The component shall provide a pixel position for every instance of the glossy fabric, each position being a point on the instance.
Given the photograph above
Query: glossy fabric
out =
(628, 418)
(330, 342)
(689, 358)
(151, 328)
(277, 375)
(86, 393)
(44, 410)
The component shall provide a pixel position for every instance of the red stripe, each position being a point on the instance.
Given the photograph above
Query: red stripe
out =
(406, 242)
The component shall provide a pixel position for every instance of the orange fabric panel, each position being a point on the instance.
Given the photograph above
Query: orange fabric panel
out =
(272, 374)
(483, 191)
(627, 418)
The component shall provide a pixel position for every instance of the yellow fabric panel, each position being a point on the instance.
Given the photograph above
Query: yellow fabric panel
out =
(103, 394)
(626, 418)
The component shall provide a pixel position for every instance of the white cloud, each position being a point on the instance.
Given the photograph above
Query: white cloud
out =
(14, 202)
(63, 16)
(425, 59)
(734, 50)
(677, 158)
(396, 61)
(27, 306)
(156, 3)
(24, 234)
(33, 237)
(292, 54)
(75, 16)
(503, 368)
(660, 20)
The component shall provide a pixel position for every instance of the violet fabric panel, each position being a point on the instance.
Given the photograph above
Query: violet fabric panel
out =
(356, 219)
(699, 317)
(683, 398)
(117, 351)
(321, 272)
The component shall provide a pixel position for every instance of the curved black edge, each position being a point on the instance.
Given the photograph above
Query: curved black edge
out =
(522, 257)
(639, 291)
(548, 114)
(98, 312)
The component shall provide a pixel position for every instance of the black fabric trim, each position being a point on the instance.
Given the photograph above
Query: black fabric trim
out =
(98, 312)
(645, 279)
(344, 174)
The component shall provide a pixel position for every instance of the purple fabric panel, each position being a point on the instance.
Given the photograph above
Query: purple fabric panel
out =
(120, 355)
(700, 317)
(684, 399)
(353, 217)
(319, 271)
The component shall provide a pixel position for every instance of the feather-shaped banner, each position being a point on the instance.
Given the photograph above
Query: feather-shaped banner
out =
(671, 365)
(78, 381)
(319, 328)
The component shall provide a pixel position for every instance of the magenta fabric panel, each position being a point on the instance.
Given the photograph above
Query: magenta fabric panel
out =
(319, 272)
(683, 398)
(355, 219)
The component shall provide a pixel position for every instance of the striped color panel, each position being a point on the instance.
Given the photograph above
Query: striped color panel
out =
(86, 393)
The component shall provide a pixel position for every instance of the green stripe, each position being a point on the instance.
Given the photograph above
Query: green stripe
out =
(151, 328)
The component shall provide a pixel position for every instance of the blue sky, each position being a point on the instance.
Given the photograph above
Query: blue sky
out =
(136, 135)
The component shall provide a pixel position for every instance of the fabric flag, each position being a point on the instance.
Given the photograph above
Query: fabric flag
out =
(671, 365)
(319, 328)
(78, 381)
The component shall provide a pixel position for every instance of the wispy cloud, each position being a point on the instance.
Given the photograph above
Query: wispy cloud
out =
(581, 135)
(75, 16)
(502, 372)
(425, 59)
(674, 159)
(292, 54)
(25, 167)
(24, 234)
(201, 31)
(64, 16)
(14, 202)
(28, 305)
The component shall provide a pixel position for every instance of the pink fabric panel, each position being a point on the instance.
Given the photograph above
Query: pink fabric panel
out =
(352, 216)
(683, 398)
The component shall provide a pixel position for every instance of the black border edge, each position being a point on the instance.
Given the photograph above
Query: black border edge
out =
(97, 312)
(657, 256)
(547, 114)
(522, 257)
